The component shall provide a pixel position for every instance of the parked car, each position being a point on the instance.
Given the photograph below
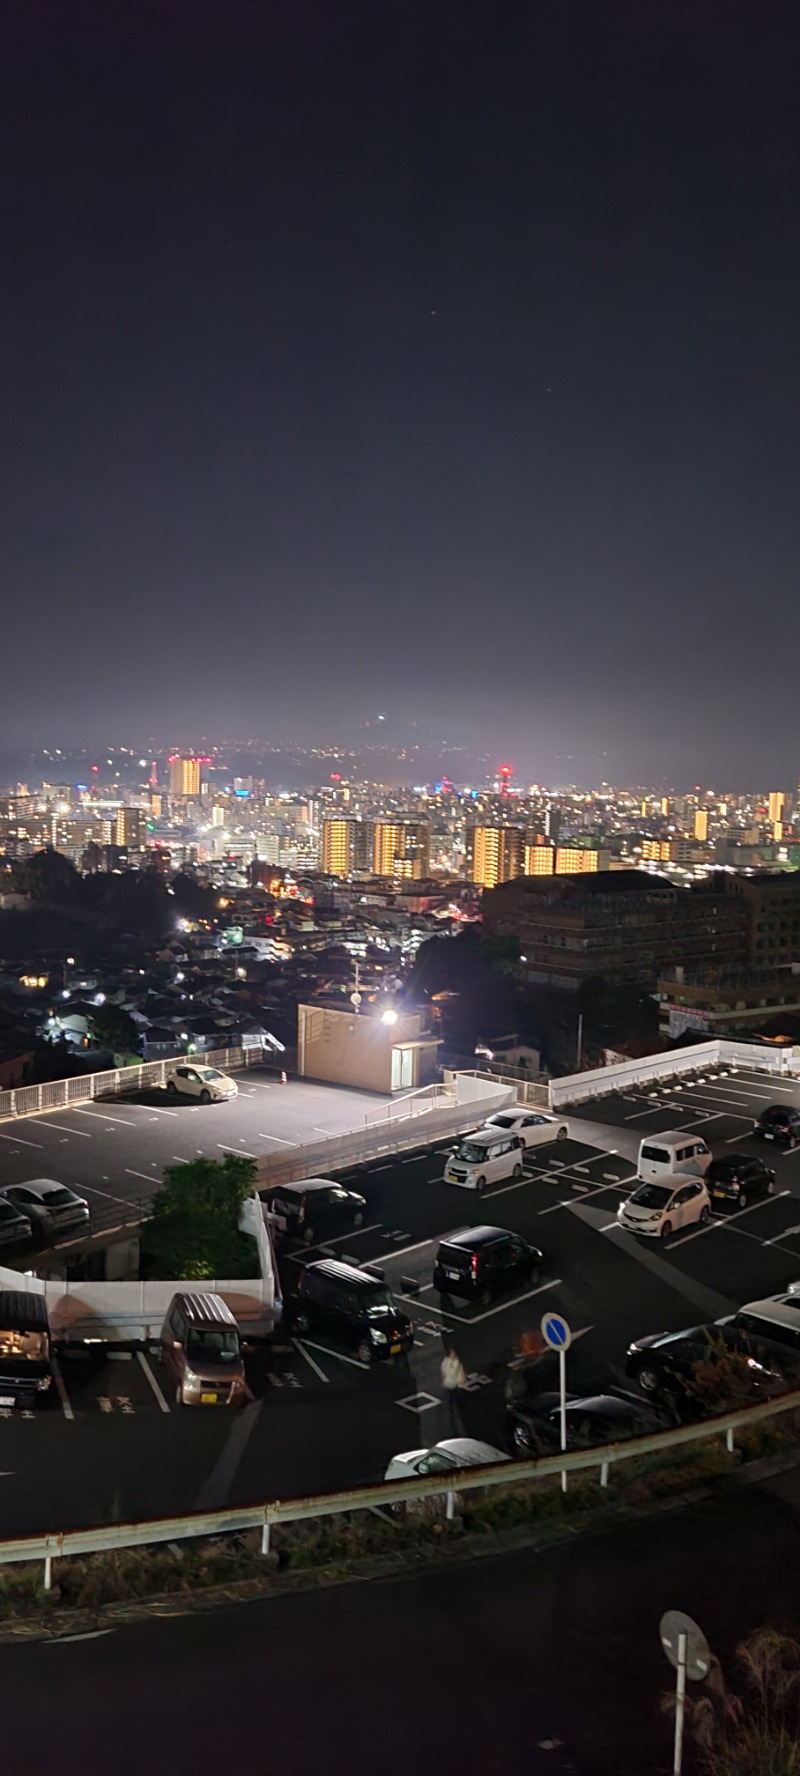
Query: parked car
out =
(657, 1210)
(534, 1127)
(775, 1322)
(201, 1351)
(51, 1208)
(352, 1310)
(779, 1123)
(662, 1155)
(453, 1453)
(484, 1158)
(25, 1373)
(15, 1227)
(737, 1180)
(313, 1208)
(534, 1425)
(483, 1262)
(206, 1083)
(666, 1364)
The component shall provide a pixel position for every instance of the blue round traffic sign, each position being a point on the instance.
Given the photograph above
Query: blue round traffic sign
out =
(555, 1331)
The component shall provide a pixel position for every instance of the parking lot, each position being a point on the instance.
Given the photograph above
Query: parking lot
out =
(319, 1420)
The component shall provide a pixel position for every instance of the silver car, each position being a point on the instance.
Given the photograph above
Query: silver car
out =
(51, 1208)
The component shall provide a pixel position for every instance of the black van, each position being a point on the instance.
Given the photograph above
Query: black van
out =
(347, 1307)
(25, 1373)
(483, 1262)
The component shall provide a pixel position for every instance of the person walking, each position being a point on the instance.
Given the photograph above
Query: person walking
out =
(453, 1378)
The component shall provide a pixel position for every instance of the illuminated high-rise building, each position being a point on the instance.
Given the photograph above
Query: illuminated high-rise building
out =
(131, 828)
(401, 848)
(337, 846)
(701, 825)
(540, 860)
(184, 776)
(576, 860)
(495, 854)
(777, 800)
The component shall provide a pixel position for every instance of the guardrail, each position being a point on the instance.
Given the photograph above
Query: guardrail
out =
(574, 1088)
(378, 1138)
(103, 1538)
(61, 1094)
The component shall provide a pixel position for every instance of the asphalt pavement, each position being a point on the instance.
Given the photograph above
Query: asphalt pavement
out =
(114, 1445)
(537, 1663)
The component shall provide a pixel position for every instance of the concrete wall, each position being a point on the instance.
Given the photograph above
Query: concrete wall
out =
(349, 1049)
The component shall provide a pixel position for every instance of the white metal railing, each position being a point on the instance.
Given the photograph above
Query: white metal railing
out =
(102, 1538)
(378, 1138)
(415, 1103)
(59, 1094)
(574, 1088)
(526, 1091)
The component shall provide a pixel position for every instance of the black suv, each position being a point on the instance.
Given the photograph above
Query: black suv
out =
(779, 1122)
(534, 1427)
(349, 1308)
(313, 1208)
(483, 1262)
(738, 1179)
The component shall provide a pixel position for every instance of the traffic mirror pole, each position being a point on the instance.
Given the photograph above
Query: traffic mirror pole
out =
(680, 1706)
(562, 1379)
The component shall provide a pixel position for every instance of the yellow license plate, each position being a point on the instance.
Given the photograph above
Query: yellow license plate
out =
(208, 1399)
(395, 1349)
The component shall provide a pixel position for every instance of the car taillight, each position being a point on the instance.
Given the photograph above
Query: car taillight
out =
(474, 1264)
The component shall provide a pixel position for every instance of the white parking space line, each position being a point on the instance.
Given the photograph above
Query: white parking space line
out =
(258, 1085)
(152, 1110)
(299, 1346)
(60, 1388)
(279, 1139)
(148, 1176)
(152, 1380)
(84, 1135)
(586, 1196)
(502, 1306)
(339, 1239)
(18, 1141)
(92, 1190)
(241, 1152)
(179, 1160)
(419, 1247)
(338, 1355)
(100, 1116)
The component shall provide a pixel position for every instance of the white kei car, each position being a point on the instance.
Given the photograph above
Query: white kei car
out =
(534, 1127)
(656, 1210)
(453, 1453)
(192, 1080)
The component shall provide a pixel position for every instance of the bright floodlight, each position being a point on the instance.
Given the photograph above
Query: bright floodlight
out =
(389, 1016)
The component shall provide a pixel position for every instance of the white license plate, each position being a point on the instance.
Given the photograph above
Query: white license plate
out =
(452, 1276)
(768, 1135)
(6, 1399)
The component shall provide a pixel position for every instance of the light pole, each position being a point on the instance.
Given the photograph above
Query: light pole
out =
(580, 1043)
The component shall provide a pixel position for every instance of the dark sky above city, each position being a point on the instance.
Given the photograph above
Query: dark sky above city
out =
(435, 357)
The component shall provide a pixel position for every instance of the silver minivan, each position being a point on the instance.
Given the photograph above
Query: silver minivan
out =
(662, 1155)
(484, 1158)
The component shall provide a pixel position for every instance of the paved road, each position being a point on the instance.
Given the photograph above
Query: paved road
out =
(535, 1664)
(322, 1422)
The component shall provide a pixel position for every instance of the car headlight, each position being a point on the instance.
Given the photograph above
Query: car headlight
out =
(376, 1336)
(190, 1378)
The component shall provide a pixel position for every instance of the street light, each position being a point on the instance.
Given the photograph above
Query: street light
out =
(389, 1016)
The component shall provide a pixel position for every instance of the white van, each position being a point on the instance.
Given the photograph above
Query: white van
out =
(484, 1158)
(661, 1155)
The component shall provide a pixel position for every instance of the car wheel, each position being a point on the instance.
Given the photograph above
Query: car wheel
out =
(308, 1236)
(302, 1323)
(480, 1183)
(358, 1218)
(562, 1133)
(485, 1298)
(666, 1230)
(770, 1186)
(648, 1381)
(742, 1199)
(705, 1216)
(179, 1395)
(172, 1088)
(205, 1096)
(517, 1173)
(364, 1351)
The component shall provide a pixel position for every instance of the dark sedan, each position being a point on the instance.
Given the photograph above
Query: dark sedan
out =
(699, 1364)
(534, 1425)
(737, 1180)
(779, 1122)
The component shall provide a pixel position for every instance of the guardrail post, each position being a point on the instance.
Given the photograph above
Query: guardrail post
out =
(729, 1439)
(604, 1473)
(265, 1537)
(48, 1572)
(451, 1507)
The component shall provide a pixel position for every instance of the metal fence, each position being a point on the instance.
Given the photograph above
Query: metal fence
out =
(447, 1117)
(104, 1537)
(534, 1092)
(59, 1094)
(575, 1088)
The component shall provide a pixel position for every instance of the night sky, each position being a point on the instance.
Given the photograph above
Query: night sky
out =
(436, 357)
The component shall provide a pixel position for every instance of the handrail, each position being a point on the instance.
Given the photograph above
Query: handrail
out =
(103, 1537)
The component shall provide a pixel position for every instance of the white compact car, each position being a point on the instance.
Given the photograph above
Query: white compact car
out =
(534, 1127)
(453, 1453)
(192, 1080)
(658, 1209)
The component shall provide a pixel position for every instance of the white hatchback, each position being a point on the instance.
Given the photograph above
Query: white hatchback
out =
(534, 1127)
(453, 1453)
(205, 1083)
(656, 1210)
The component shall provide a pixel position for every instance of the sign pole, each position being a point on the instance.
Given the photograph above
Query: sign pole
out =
(680, 1706)
(562, 1382)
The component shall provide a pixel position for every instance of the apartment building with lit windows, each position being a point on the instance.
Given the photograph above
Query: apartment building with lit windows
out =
(494, 854)
(401, 848)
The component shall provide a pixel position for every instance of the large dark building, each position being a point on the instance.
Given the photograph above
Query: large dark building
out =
(629, 926)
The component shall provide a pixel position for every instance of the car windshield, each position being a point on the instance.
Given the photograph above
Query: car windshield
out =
(336, 1195)
(471, 1152)
(651, 1196)
(379, 1302)
(724, 1170)
(31, 1345)
(8, 1212)
(210, 1073)
(56, 1199)
(218, 1346)
(503, 1122)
